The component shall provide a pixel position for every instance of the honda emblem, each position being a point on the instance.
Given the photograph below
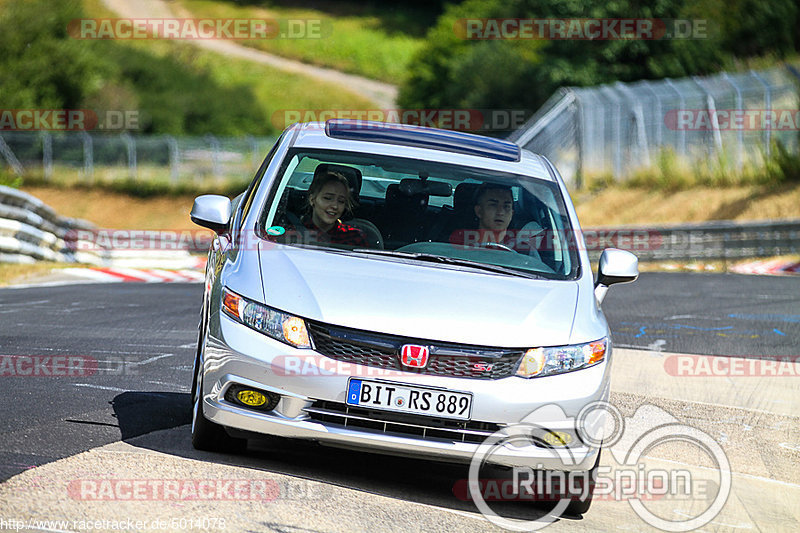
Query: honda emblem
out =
(414, 356)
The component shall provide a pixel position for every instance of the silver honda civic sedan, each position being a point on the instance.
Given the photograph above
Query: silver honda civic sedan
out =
(401, 290)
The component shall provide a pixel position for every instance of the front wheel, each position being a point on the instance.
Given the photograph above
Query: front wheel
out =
(206, 435)
(579, 507)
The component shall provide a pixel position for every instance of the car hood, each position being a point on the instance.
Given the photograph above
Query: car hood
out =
(421, 301)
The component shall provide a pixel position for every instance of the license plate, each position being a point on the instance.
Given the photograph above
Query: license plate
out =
(405, 399)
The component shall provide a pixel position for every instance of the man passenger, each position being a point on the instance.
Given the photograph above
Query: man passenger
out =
(494, 209)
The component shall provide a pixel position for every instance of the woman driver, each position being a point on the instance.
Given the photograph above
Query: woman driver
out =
(329, 197)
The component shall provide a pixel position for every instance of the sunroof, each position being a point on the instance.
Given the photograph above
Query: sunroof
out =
(419, 137)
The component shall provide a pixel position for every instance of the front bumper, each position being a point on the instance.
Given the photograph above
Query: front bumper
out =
(235, 354)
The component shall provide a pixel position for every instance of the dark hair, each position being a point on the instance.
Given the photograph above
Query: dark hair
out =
(488, 186)
(322, 180)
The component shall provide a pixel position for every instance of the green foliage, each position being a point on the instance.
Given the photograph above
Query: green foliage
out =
(43, 67)
(754, 27)
(373, 39)
(671, 173)
(158, 184)
(175, 96)
(450, 72)
(10, 180)
(40, 66)
(783, 166)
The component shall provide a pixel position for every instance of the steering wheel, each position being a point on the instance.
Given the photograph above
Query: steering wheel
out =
(496, 246)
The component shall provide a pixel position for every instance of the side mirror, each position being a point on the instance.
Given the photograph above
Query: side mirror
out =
(616, 266)
(211, 211)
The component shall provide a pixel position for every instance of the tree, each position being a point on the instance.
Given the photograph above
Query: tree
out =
(452, 72)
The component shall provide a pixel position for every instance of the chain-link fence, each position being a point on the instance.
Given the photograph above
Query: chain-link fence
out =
(618, 128)
(92, 156)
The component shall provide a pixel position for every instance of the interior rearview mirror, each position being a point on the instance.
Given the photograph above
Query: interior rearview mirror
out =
(410, 186)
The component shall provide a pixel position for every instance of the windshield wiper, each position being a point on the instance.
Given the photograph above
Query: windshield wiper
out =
(443, 259)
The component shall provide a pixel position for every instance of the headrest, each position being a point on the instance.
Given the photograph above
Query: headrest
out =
(353, 176)
(464, 197)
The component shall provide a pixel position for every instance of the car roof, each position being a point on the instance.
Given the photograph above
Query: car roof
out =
(416, 142)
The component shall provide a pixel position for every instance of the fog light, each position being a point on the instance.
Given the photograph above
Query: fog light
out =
(557, 438)
(252, 398)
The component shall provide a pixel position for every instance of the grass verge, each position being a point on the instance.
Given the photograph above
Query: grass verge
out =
(373, 39)
(152, 182)
(118, 210)
(165, 94)
(669, 172)
(11, 273)
(626, 205)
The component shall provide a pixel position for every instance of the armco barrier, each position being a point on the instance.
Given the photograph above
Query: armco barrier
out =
(31, 231)
(722, 240)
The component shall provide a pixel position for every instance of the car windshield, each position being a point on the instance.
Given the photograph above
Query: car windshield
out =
(391, 207)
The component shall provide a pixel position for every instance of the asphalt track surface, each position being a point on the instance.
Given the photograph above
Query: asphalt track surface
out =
(142, 339)
(709, 314)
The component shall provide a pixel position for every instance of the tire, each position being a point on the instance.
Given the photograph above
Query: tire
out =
(577, 508)
(206, 435)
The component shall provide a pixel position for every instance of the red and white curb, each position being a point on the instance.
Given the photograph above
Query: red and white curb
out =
(773, 266)
(141, 275)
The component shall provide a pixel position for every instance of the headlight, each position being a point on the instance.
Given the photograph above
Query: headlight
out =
(271, 322)
(539, 362)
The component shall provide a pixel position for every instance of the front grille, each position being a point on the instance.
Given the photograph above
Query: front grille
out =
(383, 351)
(425, 427)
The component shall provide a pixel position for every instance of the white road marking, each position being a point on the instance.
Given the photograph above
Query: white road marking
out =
(154, 358)
(58, 283)
(179, 388)
(90, 386)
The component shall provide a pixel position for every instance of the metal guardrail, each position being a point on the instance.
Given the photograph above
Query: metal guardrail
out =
(723, 240)
(31, 231)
